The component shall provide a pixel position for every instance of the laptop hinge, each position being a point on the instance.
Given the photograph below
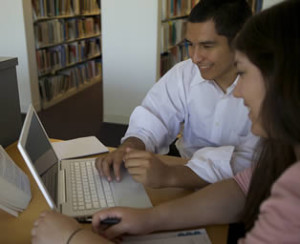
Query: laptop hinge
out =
(61, 187)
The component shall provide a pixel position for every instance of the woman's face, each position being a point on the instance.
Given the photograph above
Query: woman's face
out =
(251, 88)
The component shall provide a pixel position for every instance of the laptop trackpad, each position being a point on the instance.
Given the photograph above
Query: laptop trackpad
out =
(129, 193)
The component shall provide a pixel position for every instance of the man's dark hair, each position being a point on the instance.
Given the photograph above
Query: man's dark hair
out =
(228, 15)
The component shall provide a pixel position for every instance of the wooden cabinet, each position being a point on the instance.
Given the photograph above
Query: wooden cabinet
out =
(10, 119)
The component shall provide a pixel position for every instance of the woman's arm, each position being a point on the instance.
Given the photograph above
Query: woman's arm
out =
(218, 203)
(53, 227)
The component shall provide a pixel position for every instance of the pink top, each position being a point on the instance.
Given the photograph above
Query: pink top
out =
(279, 217)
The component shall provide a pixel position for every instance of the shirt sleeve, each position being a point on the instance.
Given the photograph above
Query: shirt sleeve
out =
(148, 128)
(243, 179)
(212, 163)
(243, 153)
(279, 217)
(157, 120)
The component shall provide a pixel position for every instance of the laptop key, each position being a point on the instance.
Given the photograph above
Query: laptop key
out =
(91, 191)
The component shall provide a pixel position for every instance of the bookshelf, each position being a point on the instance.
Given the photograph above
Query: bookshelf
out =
(68, 47)
(173, 19)
(58, 46)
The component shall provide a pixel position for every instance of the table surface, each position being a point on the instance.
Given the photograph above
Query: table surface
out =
(17, 230)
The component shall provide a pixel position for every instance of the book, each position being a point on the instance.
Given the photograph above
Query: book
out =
(79, 147)
(199, 236)
(15, 193)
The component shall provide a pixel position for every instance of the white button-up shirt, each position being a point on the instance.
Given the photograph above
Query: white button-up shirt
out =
(214, 125)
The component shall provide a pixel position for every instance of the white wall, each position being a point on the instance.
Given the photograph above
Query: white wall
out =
(269, 3)
(13, 43)
(129, 46)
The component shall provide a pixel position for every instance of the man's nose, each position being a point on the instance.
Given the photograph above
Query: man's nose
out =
(197, 55)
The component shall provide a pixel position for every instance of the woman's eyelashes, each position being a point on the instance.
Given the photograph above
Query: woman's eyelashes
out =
(240, 73)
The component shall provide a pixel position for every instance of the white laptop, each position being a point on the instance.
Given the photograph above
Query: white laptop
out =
(58, 182)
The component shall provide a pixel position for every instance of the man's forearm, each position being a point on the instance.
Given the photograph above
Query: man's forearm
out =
(172, 160)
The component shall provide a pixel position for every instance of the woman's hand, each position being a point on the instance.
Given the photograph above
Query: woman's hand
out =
(132, 221)
(52, 227)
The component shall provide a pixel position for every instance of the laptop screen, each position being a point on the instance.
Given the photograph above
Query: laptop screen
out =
(39, 155)
(39, 148)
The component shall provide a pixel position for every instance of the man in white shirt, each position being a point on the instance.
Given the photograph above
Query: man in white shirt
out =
(195, 96)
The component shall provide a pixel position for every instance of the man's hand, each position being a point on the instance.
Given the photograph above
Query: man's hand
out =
(146, 168)
(114, 159)
(156, 171)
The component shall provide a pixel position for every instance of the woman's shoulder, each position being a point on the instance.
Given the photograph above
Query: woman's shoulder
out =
(291, 174)
(279, 217)
(286, 191)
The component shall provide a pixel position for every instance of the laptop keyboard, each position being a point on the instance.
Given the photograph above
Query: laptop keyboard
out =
(89, 189)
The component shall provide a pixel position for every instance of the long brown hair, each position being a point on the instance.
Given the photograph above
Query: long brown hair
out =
(271, 42)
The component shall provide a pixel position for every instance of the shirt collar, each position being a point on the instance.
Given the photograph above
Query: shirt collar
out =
(233, 85)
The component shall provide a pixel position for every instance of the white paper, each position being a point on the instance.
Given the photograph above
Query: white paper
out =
(8, 210)
(15, 191)
(197, 236)
(79, 147)
(13, 197)
(12, 173)
(11, 205)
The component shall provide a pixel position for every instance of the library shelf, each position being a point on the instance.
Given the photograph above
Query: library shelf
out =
(70, 92)
(54, 71)
(67, 16)
(173, 20)
(67, 47)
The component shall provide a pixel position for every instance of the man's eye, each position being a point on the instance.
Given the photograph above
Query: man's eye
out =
(186, 43)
